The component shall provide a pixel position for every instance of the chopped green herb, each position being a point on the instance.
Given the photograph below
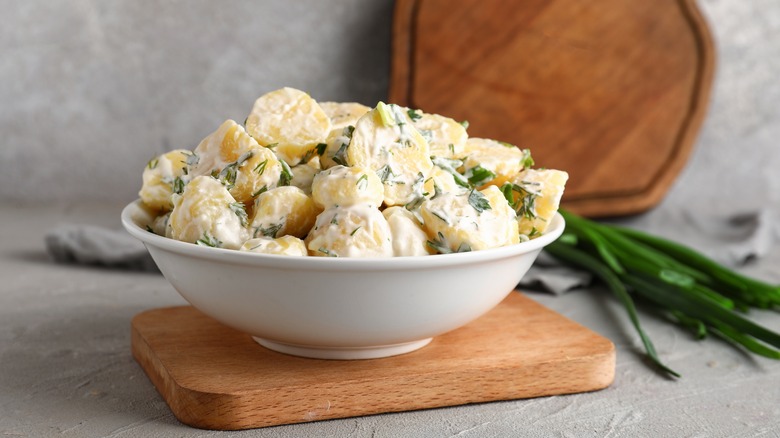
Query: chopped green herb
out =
(178, 186)
(479, 201)
(348, 131)
(260, 191)
(192, 158)
(260, 168)
(465, 124)
(362, 182)
(149, 229)
(327, 252)
(385, 173)
(507, 145)
(335, 220)
(240, 211)
(286, 176)
(452, 148)
(272, 145)
(414, 114)
(427, 134)
(527, 161)
(451, 165)
(340, 157)
(269, 231)
(440, 245)
(417, 189)
(321, 148)
(441, 216)
(385, 115)
(208, 240)
(229, 173)
(354, 231)
(478, 175)
(247, 118)
(152, 164)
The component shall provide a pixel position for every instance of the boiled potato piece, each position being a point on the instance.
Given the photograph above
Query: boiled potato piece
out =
(446, 137)
(443, 180)
(161, 225)
(285, 245)
(303, 176)
(335, 151)
(206, 214)
(291, 120)
(409, 238)
(537, 194)
(283, 211)
(161, 175)
(222, 147)
(231, 155)
(492, 162)
(345, 186)
(343, 114)
(386, 142)
(354, 231)
(469, 221)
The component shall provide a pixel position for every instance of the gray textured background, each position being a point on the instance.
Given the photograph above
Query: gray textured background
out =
(91, 90)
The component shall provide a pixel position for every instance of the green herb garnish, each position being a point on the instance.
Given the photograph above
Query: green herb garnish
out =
(286, 176)
(177, 186)
(229, 173)
(362, 182)
(321, 148)
(260, 168)
(269, 231)
(465, 124)
(451, 165)
(340, 157)
(440, 245)
(527, 161)
(694, 291)
(354, 231)
(260, 191)
(478, 175)
(240, 210)
(479, 201)
(414, 114)
(327, 252)
(209, 240)
(152, 164)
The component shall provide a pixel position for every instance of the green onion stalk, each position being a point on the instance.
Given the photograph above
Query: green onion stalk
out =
(696, 292)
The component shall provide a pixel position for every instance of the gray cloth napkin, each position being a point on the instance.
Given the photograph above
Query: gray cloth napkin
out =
(732, 240)
(91, 245)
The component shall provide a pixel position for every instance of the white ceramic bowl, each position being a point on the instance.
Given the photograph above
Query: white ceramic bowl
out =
(339, 308)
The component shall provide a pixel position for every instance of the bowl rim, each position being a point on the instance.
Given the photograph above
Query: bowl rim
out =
(135, 212)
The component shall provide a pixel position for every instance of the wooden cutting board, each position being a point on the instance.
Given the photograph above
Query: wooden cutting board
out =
(612, 91)
(214, 377)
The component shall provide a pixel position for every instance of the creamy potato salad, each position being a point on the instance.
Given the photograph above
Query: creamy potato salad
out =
(332, 179)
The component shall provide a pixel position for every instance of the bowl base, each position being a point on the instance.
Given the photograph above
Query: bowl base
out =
(343, 353)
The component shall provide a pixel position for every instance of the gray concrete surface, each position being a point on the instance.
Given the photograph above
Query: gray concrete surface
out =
(91, 89)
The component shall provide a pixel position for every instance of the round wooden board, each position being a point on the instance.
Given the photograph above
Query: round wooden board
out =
(613, 92)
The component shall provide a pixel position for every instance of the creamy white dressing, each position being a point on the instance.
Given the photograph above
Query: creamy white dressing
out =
(203, 211)
(354, 231)
(409, 239)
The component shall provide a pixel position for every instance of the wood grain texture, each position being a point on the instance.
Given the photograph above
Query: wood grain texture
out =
(614, 92)
(214, 377)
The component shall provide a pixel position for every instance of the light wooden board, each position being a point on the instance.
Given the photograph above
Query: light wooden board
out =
(214, 377)
(612, 91)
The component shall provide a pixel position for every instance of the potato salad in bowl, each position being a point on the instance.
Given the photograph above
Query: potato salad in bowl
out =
(303, 178)
(342, 231)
